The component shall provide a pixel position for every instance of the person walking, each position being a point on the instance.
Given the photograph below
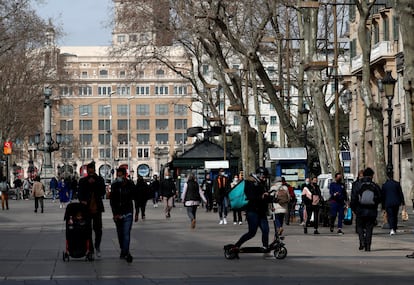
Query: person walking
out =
(365, 199)
(338, 199)
(311, 195)
(168, 191)
(19, 192)
(38, 194)
(91, 190)
(256, 209)
(392, 198)
(53, 187)
(64, 188)
(207, 187)
(27, 187)
(123, 193)
(290, 214)
(192, 196)
(143, 194)
(4, 188)
(155, 189)
(221, 187)
(237, 213)
(280, 205)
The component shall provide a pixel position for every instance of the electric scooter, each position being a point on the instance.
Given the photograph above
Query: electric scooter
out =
(277, 246)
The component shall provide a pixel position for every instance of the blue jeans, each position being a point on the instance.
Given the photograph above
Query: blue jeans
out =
(255, 221)
(123, 229)
(337, 209)
(222, 208)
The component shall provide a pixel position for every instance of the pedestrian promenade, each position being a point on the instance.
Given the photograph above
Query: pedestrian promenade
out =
(168, 251)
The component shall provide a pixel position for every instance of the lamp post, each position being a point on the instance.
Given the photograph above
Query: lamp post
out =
(262, 129)
(305, 116)
(49, 145)
(388, 84)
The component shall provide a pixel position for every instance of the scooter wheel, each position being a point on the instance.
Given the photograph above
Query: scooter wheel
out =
(280, 253)
(230, 254)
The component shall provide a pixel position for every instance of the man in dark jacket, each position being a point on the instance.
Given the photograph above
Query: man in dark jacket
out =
(256, 210)
(122, 194)
(365, 214)
(392, 199)
(221, 187)
(91, 190)
(337, 200)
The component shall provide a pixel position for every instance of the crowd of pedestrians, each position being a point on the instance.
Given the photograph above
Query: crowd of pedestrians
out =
(275, 201)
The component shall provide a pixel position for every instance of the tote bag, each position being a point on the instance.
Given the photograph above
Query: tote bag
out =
(237, 197)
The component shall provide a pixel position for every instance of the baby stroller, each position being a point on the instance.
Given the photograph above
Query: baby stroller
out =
(78, 232)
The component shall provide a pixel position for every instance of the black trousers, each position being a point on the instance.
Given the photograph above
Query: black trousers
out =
(365, 226)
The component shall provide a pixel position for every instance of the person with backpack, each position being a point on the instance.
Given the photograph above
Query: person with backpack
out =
(292, 202)
(280, 204)
(311, 195)
(192, 196)
(392, 199)
(4, 189)
(365, 199)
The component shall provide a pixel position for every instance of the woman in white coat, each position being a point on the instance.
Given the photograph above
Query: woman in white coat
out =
(279, 206)
(192, 196)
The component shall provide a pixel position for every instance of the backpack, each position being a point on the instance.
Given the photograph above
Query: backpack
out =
(367, 194)
(3, 187)
(282, 197)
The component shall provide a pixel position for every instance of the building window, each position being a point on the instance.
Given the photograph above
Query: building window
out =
(376, 33)
(273, 136)
(236, 120)
(161, 138)
(103, 73)
(143, 125)
(159, 73)
(143, 138)
(104, 125)
(142, 90)
(85, 139)
(123, 90)
(142, 110)
(161, 109)
(122, 74)
(67, 138)
(143, 152)
(122, 138)
(352, 48)
(273, 120)
(104, 110)
(180, 90)
(67, 153)
(85, 91)
(86, 153)
(85, 125)
(161, 124)
(180, 110)
(395, 28)
(122, 110)
(133, 38)
(180, 138)
(84, 74)
(66, 125)
(180, 124)
(104, 139)
(121, 38)
(66, 91)
(85, 109)
(122, 152)
(386, 28)
(161, 90)
(122, 125)
(66, 111)
(105, 153)
(104, 90)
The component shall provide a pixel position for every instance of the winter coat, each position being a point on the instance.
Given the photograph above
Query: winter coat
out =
(122, 195)
(392, 194)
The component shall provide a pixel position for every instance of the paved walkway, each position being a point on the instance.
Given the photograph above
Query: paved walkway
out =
(169, 252)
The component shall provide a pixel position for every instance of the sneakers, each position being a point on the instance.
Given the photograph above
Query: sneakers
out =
(331, 229)
(340, 232)
(98, 253)
(234, 223)
(392, 232)
(128, 258)
(316, 232)
(305, 230)
(193, 223)
(221, 222)
(240, 223)
(225, 221)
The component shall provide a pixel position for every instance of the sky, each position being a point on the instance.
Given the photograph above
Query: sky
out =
(84, 22)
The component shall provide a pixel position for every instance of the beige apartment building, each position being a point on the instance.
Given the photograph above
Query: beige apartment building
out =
(386, 55)
(118, 113)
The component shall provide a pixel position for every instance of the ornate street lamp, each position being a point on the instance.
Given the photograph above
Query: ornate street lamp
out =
(305, 117)
(388, 86)
(262, 129)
